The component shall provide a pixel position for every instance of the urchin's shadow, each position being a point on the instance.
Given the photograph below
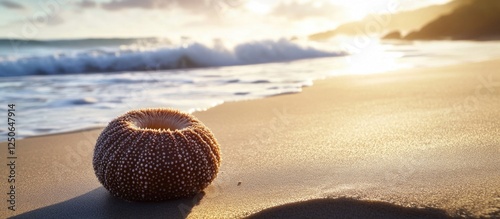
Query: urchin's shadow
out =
(347, 208)
(98, 203)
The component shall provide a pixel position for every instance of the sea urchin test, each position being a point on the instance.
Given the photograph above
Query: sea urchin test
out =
(155, 155)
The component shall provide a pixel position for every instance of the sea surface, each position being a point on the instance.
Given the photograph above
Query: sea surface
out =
(68, 85)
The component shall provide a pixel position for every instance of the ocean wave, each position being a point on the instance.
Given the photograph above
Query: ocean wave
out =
(76, 43)
(193, 55)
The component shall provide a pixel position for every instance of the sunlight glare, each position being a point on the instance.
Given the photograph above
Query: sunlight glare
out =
(356, 9)
(374, 59)
(257, 7)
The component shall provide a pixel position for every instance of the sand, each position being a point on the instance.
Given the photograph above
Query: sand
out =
(421, 143)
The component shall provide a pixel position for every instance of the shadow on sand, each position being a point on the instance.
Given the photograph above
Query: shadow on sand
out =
(98, 203)
(347, 208)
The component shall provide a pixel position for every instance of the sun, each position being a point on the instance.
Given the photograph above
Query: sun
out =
(356, 9)
(257, 7)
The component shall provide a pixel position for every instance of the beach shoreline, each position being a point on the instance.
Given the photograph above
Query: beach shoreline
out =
(413, 138)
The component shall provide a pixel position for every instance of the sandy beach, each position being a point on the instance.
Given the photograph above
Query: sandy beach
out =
(417, 143)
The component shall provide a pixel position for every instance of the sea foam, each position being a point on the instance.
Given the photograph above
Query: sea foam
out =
(184, 55)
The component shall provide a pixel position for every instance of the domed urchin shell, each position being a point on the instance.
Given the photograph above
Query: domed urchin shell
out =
(155, 155)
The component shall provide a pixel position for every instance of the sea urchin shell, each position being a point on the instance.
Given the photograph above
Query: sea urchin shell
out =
(155, 155)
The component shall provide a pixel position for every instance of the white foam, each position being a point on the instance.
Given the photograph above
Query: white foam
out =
(159, 58)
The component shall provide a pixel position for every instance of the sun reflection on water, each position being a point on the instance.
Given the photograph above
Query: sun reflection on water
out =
(375, 59)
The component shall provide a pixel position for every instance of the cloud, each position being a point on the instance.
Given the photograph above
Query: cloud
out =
(299, 11)
(11, 5)
(145, 4)
(206, 6)
(55, 21)
(126, 4)
(86, 4)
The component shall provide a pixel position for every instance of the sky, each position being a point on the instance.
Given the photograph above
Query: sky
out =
(69, 19)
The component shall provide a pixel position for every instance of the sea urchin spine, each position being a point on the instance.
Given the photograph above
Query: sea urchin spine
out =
(155, 155)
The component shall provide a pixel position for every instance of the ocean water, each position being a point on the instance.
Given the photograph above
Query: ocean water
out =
(68, 85)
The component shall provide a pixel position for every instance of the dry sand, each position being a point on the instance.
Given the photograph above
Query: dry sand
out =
(372, 146)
